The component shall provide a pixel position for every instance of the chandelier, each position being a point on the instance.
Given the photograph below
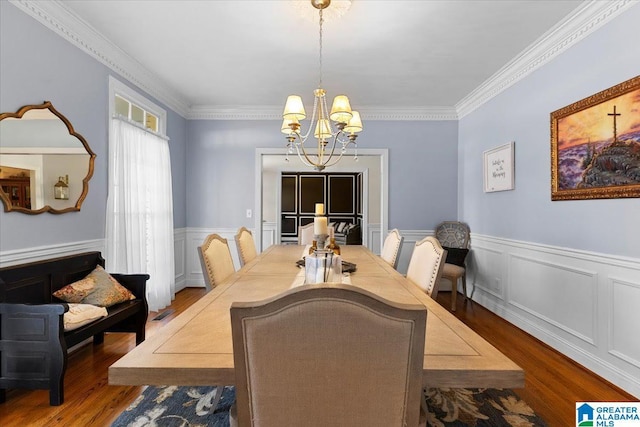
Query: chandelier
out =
(333, 129)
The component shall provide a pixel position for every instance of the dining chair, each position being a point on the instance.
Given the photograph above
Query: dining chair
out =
(245, 245)
(216, 261)
(455, 237)
(305, 234)
(391, 247)
(426, 265)
(298, 359)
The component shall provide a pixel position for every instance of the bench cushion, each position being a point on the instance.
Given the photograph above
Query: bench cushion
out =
(81, 314)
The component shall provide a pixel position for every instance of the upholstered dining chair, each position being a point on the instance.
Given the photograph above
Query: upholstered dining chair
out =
(298, 359)
(305, 234)
(391, 247)
(455, 237)
(245, 245)
(426, 265)
(216, 261)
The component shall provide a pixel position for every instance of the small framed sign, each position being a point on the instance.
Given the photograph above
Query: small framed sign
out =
(499, 168)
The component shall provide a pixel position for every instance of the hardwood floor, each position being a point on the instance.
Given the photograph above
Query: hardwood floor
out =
(553, 382)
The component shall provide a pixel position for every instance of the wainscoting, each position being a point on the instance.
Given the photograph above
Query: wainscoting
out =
(584, 304)
(21, 256)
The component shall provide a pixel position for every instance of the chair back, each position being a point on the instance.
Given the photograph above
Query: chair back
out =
(305, 234)
(216, 261)
(391, 247)
(426, 264)
(320, 355)
(245, 245)
(453, 234)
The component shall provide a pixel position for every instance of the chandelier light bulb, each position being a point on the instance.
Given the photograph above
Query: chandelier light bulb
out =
(294, 109)
(341, 109)
(355, 124)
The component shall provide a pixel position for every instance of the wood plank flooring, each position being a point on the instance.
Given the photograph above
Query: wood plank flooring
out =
(553, 382)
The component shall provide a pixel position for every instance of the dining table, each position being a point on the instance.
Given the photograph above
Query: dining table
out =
(196, 347)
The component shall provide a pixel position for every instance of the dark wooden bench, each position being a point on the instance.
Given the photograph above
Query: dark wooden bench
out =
(33, 343)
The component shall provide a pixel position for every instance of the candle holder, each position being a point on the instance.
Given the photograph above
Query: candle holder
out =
(323, 267)
(321, 239)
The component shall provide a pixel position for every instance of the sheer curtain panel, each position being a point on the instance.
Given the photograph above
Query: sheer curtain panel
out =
(140, 210)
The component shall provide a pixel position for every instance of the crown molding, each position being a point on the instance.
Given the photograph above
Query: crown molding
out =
(585, 19)
(235, 112)
(55, 16)
(582, 21)
(271, 112)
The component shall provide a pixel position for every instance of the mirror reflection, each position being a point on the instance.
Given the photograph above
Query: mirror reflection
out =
(45, 166)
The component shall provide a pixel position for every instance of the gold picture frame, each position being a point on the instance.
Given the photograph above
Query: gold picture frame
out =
(595, 145)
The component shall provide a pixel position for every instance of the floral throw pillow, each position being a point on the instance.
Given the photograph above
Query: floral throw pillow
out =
(98, 288)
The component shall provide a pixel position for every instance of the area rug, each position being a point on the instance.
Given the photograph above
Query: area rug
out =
(174, 406)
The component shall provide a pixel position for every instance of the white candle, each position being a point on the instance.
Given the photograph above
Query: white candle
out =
(319, 208)
(320, 225)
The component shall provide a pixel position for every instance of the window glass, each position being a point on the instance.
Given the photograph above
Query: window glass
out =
(152, 122)
(122, 106)
(137, 114)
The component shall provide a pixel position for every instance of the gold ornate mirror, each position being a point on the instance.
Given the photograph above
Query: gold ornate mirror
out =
(45, 166)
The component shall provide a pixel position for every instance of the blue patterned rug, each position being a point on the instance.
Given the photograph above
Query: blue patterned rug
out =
(174, 406)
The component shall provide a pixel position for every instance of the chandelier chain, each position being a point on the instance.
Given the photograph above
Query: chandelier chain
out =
(320, 50)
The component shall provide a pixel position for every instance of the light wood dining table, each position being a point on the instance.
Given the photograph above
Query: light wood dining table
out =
(196, 347)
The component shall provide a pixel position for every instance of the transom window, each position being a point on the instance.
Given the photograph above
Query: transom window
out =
(136, 113)
(132, 106)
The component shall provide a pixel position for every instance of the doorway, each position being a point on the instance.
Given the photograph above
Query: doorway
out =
(270, 164)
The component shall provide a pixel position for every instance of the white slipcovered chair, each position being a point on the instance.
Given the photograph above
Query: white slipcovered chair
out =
(216, 261)
(391, 247)
(245, 245)
(299, 359)
(305, 234)
(426, 265)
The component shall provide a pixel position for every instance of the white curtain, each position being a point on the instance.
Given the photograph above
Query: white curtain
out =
(140, 210)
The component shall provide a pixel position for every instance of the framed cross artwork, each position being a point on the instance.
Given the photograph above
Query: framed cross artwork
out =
(595, 145)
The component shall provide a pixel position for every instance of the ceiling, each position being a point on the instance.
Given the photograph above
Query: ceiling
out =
(241, 55)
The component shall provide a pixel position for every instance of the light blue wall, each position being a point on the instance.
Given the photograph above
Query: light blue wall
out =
(221, 169)
(36, 65)
(522, 114)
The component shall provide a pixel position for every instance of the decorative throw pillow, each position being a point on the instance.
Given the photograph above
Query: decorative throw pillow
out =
(341, 227)
(98, 288)
(456, 256)
(81, 314)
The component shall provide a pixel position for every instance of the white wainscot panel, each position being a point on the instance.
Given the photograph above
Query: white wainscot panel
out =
(179, 254)
(624, 320)
(268, 234)
(488, 270)
(374, 238)
(558, 294)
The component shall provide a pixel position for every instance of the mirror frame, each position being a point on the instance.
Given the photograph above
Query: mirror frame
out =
(8, 206)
